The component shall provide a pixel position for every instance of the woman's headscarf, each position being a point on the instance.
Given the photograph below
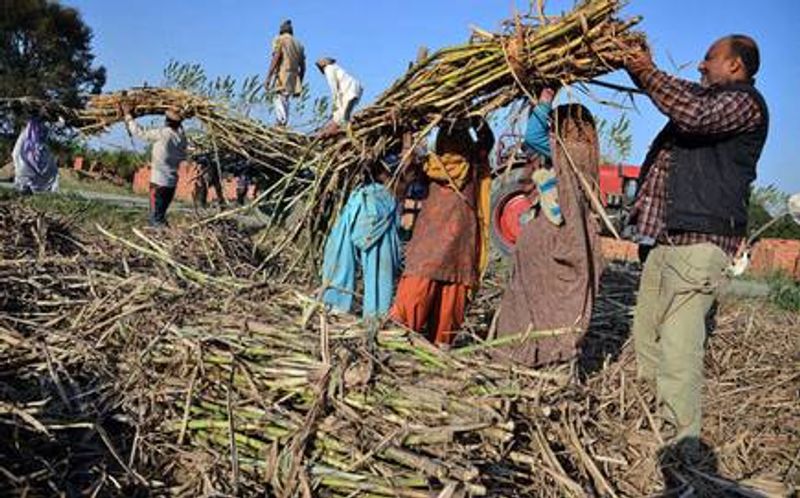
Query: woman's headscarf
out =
(34, 146)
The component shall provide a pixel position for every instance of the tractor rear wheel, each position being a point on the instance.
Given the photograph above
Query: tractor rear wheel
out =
(509, 201)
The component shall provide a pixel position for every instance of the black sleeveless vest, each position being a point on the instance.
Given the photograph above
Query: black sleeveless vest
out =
(708, 185)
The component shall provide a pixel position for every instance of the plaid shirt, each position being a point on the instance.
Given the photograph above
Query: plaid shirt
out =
(692, 109)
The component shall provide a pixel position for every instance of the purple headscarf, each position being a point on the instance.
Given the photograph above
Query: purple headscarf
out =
(34, 146)
(34, 166)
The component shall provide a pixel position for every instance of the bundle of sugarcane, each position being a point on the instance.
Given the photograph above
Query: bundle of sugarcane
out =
(45, 109)
(276, 149)
(284, 158)
(468, 80)
(495, 69)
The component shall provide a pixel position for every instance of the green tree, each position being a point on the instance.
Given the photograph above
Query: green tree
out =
(45, 52)
(765, 204)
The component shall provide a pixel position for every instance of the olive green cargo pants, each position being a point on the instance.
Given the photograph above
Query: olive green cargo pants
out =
(678, 287)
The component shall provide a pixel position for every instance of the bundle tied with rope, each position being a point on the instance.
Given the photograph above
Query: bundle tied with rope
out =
(525, 76)
(514, 48)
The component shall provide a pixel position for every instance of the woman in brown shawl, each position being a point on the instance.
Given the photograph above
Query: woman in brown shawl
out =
(556, 268)
(448, 248)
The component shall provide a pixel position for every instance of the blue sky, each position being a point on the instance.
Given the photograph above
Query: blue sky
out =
(374, 40)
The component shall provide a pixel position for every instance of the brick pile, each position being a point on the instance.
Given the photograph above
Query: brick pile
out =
(769, 256)
(187, 172)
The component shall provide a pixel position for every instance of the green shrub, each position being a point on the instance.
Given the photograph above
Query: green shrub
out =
(121, 163)
(784, 292)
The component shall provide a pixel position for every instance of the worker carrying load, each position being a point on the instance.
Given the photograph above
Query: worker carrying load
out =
(557, 261)
(449, 247)
(537, 140)
(168, 152)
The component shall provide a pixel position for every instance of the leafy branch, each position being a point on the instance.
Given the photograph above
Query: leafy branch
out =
(245, 98)
(616, 139)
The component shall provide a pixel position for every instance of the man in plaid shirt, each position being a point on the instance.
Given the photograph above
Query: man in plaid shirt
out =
(693, 203)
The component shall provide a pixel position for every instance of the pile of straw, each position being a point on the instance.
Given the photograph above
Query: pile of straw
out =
(125, 370)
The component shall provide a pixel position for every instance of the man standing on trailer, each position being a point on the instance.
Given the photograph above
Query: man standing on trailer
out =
(286, 71)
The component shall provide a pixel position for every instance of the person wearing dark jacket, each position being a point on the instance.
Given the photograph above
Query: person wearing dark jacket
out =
(693, 202)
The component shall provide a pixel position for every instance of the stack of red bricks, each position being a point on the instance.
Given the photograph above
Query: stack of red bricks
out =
(187, 172)
(768, 256)
(776, 255)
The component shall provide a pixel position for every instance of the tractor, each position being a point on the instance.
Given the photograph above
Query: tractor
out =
(512, 194)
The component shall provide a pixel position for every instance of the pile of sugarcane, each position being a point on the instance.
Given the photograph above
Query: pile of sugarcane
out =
(56, 385)
(309, 406)
(137, 362)
(71, 305)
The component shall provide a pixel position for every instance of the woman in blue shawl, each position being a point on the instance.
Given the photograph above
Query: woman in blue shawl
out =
(365, 234)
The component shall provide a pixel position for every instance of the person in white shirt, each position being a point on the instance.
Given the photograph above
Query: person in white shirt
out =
(345, 90)
(169, 151)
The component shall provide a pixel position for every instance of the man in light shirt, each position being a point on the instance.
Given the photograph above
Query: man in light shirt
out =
(286, 71)
(168, 152)
(345, 92)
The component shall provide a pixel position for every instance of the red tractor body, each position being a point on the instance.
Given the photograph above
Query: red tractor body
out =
(617, 183)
